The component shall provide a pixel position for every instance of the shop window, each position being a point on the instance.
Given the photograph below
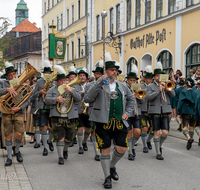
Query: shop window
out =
(131, 61)
(165, 58)
(128, 19)
(98, 27)
(111, 20)
(159, 8)
(189, 2)
(172, 6)
(138, 12)
(193, 59)
(147, 11)
(118, 18)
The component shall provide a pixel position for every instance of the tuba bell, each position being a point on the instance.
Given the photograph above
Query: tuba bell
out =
(68, 100)
(23, 91)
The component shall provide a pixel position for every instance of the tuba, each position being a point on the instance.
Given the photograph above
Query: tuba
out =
(23, 91)
(68, 100)
(47, 86)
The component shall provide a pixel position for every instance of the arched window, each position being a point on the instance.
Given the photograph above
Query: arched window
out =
(131, 61)
(165, 58)
(193, 59)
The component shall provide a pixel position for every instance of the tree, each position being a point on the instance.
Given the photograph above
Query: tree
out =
(5, 41)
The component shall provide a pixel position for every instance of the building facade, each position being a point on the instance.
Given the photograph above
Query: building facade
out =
(69, 16)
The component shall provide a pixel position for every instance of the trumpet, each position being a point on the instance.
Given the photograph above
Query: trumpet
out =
(169, 86)
(84, 106)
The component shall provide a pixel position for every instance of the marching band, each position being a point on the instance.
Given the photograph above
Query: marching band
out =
(66, 107)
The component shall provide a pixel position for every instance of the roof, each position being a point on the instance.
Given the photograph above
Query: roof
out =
(26, 26)
(22, 5)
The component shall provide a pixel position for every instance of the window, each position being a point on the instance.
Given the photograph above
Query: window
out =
(189, 2)
(45, 7)
(61, 21)
(48, 29)
(147, 11)
(138, 12)
(72, 51)
(52, 21)
(111, 20)
(118, 18)
(79, 47)
(72, 13)
(67, 52)
(52, 3)
(98, 27)
(131, 61)
(193, 59)
(57, 23)
(44, 32)
(57, 1)
(48, 5)
(85, 7)
(79, 10)
(159, 8)
(67, 17)
(85, 45)
(165, 58)
(128, 19)
(172, 6)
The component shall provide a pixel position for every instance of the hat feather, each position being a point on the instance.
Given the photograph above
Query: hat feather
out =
(148, 69)
(117, 64)
(134, 69)
(47, 63)
(1, 73)
(8, 64)
(60, 69)
(108, 56)
(72, 68)
(159, 65)
(101, 63)
(84, 69)
(4, 71)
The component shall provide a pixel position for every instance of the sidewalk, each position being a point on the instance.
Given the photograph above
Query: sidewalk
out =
(13, 177)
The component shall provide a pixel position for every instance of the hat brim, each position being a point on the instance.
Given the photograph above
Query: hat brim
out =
(132, 77)
(158, 73)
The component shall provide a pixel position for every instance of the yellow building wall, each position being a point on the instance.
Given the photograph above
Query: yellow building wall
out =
(153, 49)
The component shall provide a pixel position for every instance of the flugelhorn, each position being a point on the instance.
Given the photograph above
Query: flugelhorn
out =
(169, 86)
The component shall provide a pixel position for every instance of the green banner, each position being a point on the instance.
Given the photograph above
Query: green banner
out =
(51, 46)
(60, 48)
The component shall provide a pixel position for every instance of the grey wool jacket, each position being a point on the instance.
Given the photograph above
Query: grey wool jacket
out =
(50, 99)
(143, 105)
(156, 102)
(101, 106)
(3, 86)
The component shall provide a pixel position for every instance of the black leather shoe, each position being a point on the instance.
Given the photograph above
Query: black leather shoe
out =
(80, 151)
(31, 142)
(114, 174)
(160, 150)
(71, 144)
(97, 158)
(65, 155)
(108, 184)
(75, 141)
(51, 147)
(45, 152)
(131, 157)
(133, 151)
(135, 144)
(85, 148)
(159, 157)
(149, 145)
(19, 157)
(145, 150)
(37, 145)
(189, 143)
(41, 142)
(8, 162)
(180, 128)
(61, 161)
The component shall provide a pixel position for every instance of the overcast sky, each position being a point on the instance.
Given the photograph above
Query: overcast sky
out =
(7, 9)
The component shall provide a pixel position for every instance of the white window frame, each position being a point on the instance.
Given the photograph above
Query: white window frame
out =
(48, 28)
(71, 49)
(96, 27)
(84, 7)
(62, 21)
(115, 28)
(78, 9)
(71, 12)
(78, 37)
(67, 24)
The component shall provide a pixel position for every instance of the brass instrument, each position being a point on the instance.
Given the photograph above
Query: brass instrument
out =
(47, 86)
(23, 91)
(67, 103)
(169, 86)
(84, 106)
(141, 94)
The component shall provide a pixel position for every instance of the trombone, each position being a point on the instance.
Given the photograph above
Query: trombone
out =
(169, 86)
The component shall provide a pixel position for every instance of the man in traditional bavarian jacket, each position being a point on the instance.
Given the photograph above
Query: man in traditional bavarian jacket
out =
(159, 110)
(113, 105)
(144, 109)
(83, 119)
(63, 123)
(186, 110)
(44, 111)
(14, 120)
(98, 72)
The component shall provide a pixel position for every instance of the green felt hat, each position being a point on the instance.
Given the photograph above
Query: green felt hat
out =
(47, 70)
(82, 72)
(158, 69)
(3, 77)
(98, 69)
(120, 72)
(72, 73)
(60, 76)
(109, 64)
(190, 82)
(132, 75)
(148, 75)
(10, 69)
(181, 82)
(67, 76)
